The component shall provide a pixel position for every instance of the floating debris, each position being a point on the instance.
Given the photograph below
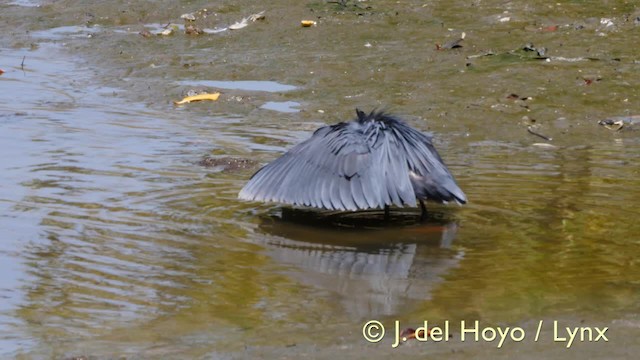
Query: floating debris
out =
(1, 71)
(514, 96)
(193, 30)
(169, 29)
(611, 124)
(227, 163)
(199, 97)
(454, 44)
(308, 23)
(606, 22)
(188, 17)
(244, 22)
(532, 132)
(198, 14)
(488, 53)
(256, 17)
(239, 25)
(145, 33)
(541, 52)
(588, 80)
(545, 145)
(616, 123)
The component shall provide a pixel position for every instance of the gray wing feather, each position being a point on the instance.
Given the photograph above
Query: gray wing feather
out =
(334, 194)
(345, 195)
(356, 165)
(356, 192)
(324, 199)
(398, 181)
(430, 177)
(317, 172)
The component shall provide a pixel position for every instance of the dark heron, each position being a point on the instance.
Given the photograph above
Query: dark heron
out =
(371, 162)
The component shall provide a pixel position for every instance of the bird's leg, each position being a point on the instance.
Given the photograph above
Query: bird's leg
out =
(386, 213)
(423, 214)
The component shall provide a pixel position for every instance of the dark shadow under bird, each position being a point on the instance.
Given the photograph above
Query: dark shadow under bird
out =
(372, 162)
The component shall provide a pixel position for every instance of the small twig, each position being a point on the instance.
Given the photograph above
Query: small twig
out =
(537, 134)
(22, 63)
(342, 3)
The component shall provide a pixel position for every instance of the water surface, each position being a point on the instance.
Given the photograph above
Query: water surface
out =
(117, 243)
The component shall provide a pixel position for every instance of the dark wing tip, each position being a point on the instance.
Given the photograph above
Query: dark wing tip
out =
(460, 196)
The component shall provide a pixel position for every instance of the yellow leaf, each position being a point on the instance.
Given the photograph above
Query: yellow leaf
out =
(199, 97)
(307, 23)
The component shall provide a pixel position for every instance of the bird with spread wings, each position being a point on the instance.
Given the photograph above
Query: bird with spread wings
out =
(371, 162)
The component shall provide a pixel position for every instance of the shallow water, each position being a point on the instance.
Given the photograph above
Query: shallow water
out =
(117, 243)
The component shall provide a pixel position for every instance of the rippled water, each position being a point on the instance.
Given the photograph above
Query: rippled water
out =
(117, 242)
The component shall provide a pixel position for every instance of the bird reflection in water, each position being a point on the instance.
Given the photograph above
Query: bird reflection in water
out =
(374, 267)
